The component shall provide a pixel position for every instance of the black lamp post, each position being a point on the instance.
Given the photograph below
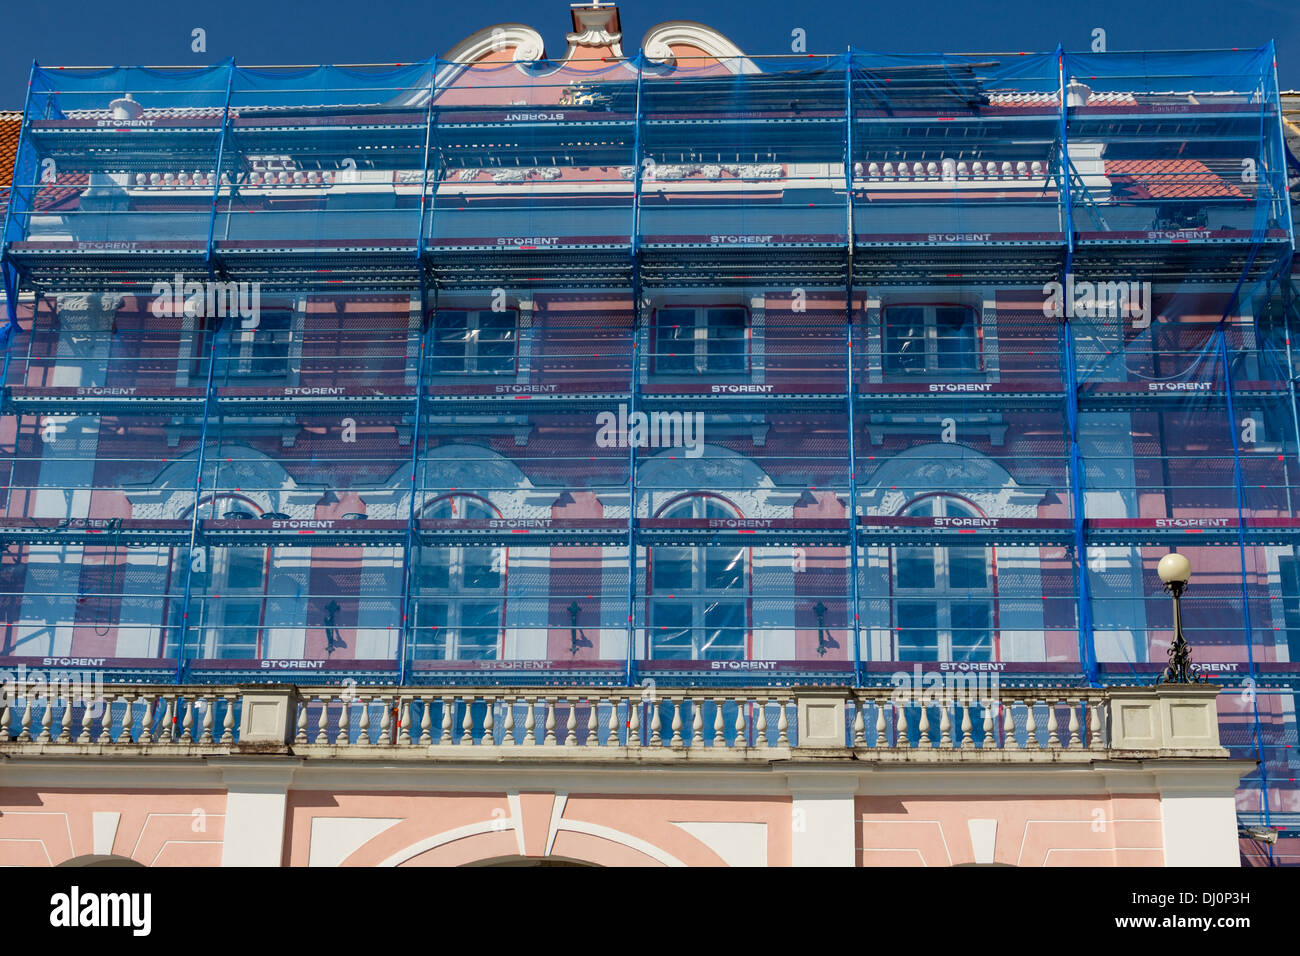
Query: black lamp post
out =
(822, 643)
(1175, 571)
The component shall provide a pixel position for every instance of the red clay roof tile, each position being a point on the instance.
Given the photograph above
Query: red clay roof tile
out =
(1168, 179)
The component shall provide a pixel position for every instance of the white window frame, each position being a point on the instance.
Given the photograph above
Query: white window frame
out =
(930, 322)
(243, 362)
(942, 595)
(698, 595)
(456, 595)
(700, 339)
(468, 363)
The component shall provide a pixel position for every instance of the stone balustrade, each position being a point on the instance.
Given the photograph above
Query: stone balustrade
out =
(870, 724)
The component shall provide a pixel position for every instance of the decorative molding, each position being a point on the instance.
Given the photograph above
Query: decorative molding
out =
(659, 41)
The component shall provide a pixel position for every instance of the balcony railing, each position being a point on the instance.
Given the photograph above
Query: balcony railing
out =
(1021, 724)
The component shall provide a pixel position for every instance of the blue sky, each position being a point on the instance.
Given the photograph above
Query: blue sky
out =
(74, 32)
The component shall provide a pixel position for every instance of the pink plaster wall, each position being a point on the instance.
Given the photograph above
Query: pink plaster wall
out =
(46, 827)
(1044, 831)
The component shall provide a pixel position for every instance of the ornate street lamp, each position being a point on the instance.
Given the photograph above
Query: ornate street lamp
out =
(573, 610)
(1175, 571)
(822, 643)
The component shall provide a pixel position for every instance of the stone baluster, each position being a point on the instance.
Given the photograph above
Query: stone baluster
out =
(1031, 725)
(859, 722)
(209, 719)
(448, 715)
(571, 724)
(25, 722)
(611, 739)
(228, 722)
(900, 725)
(344, 735)
(1094, 725)
(530, 723)
(426, 721)
(467, 724)
(508, 721)
(169, 718)
(742, 739)
(386, 723)
(697, 721)
(1053, 738)
(882, 725)
(719, 725)
(187, 720)
(760, 727)
(656, 724)
(489, 737)
(634, 722)
(146, 720)
(967, 726)
(783, 724)
(923, 725)
(4, 723)
(323, 721)
(677, 707)
(363, 723)
(1009, 741)
(300, 732)
(404, 723)
(128, 720)
(989, 741)
(1075, 742)
(945, 724)
(47, 721)
(83, 725)
(549, 739)
(65, 726)
(593, 713)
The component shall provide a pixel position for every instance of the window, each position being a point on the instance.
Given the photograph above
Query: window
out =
(698, 595)
(943, 596)
(232, 604)
(1289, 571)
(458, 612)
(939, 339)
(696, 340)
(262, 352)
(479, 342)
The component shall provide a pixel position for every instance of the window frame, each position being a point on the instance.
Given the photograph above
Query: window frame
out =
(469, 367)
(941, 595)
(456, 596)
(242, 363)
(701, 355)
(698, 595)
(931, 354)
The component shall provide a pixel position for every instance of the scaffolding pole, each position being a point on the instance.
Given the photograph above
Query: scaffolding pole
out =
(404, 635)
(1087, 649)
(852, 508)
(634, 376)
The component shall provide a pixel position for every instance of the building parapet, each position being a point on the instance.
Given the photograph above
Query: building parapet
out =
(1010, 725)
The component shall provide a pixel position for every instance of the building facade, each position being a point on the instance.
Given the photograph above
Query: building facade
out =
(658, 394)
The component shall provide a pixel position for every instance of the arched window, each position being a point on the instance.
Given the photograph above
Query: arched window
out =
(459, 591)
(229, 591)
(698, 596)
(943, 597)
